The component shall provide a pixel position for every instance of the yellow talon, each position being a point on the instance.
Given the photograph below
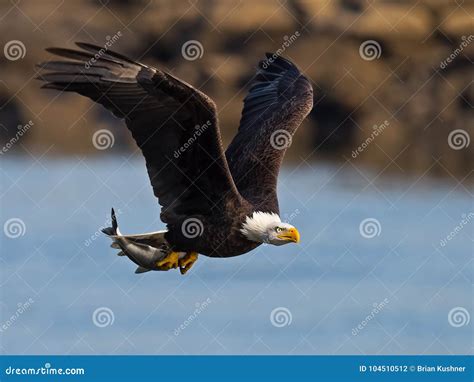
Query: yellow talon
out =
(187, 262)
(169, 262)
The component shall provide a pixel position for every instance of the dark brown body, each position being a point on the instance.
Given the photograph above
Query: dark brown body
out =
(220, 236)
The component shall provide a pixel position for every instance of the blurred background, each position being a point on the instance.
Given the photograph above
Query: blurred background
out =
(378, 180)
(405, 84)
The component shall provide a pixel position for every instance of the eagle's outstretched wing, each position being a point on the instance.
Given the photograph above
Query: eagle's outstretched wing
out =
(174, 125)
(279, 99)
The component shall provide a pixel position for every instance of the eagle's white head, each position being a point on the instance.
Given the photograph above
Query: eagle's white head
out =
(265, 227)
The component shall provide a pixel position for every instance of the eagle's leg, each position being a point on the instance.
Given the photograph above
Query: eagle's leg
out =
(169, 262)
(187, 262)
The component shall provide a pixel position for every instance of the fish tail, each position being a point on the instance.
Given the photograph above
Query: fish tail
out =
(111, 231)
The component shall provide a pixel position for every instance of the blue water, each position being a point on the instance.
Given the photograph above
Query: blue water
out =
(327, 285)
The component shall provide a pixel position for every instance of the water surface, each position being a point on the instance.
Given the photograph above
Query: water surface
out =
(323, 292)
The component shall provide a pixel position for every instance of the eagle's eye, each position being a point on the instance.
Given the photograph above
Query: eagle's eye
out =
(278, 229)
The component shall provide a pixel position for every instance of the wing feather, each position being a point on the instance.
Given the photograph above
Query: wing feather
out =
(279, 99)
(162, 113)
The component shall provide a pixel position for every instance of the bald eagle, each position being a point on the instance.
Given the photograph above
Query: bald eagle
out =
(214, 203)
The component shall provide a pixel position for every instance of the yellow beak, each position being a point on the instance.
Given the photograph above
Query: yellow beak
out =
(291, 234)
